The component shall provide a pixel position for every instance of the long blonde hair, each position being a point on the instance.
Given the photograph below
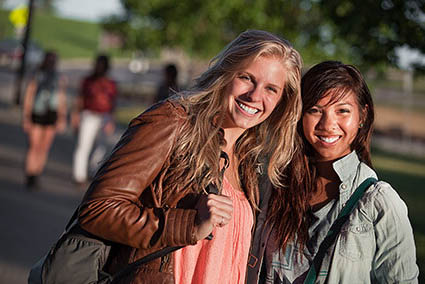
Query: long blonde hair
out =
(195, 160)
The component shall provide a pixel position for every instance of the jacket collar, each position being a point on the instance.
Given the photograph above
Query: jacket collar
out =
(346, 167)
(352, 172)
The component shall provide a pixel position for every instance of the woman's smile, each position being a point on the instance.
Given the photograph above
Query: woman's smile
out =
(254, 93)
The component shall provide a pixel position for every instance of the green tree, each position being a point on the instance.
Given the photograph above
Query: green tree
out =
(203, 27)
(361, 32)
(374, 29)
(47, 5)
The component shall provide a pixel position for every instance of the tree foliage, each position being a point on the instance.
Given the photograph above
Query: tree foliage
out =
(204, 27)
(46, 5)
(363, 32)
(374, 29)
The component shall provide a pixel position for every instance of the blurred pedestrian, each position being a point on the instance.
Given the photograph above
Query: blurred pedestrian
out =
(305, 231)
(189, 167)
(44, 114)
(92, 114)
(168, 84)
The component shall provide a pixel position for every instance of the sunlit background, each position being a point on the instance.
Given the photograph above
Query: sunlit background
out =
(384, 38)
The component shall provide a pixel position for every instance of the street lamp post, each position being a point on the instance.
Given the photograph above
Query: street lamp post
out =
(21, 70)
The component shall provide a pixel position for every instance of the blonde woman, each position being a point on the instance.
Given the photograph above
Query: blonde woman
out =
(153, 191)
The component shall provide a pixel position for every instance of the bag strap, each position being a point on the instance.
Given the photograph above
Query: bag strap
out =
(132, 266)
(212, 188)
(72, 219)
(336, 228)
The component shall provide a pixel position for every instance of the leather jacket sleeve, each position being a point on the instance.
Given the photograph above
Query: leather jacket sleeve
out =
(115, 206)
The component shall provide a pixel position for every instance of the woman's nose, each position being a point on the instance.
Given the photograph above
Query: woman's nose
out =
(327, 122)
(255, 94)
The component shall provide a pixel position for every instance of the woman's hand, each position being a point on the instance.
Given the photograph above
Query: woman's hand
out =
(213, 211)
(109, 128)
(61, 125)
(75, 120)
(26, 124)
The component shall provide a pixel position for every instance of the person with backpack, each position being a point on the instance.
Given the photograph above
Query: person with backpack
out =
(185, 172)
(44, 114)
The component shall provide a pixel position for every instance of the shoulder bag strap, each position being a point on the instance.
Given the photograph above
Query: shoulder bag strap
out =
(335, 229)
(72, 219)
(132, 266)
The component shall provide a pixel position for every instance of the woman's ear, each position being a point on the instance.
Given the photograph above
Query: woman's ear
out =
(363, 115)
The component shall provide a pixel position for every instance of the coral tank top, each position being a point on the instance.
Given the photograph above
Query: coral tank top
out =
(224, 258)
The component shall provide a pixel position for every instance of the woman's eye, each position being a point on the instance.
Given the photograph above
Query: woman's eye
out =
(344, 110)
(274, 90)
(245, 77)
(313, 111)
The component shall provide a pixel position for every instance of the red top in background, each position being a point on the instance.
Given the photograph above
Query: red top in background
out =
(99, 94)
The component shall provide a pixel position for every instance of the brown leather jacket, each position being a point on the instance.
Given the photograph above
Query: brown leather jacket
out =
(124, 205)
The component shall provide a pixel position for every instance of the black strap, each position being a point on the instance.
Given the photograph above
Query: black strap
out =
(335, 229)
(212, 188)
(71, 221)
(132, 266)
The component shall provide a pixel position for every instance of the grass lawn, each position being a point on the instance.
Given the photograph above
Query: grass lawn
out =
(407, 175)
(70, 38)
(124, 115)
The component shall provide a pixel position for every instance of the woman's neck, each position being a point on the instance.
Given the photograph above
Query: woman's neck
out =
(326, 171)
(231, 135)
(327, 184)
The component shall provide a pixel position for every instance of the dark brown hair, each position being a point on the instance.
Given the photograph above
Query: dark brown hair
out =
(290, 205)
(49, 61)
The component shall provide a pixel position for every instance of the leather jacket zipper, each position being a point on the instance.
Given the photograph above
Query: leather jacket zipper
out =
(164, 261)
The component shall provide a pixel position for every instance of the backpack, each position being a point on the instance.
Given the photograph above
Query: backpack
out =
(79, 257)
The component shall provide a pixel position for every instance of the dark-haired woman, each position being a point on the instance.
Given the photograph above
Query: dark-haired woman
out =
(44, 113)
(92, 116)
(375, 244)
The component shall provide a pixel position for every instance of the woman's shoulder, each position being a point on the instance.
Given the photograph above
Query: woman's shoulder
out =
(381, 190)
(382, 198)
(170, 112)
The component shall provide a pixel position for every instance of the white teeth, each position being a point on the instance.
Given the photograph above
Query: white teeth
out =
(248, 109)
(328, 139)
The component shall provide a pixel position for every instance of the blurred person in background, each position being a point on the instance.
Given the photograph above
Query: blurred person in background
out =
(375, 244)
(44, 114)
(168, 84)
(92, 115)
(189, 167)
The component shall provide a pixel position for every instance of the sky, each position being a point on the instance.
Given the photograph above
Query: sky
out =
(90, 10)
